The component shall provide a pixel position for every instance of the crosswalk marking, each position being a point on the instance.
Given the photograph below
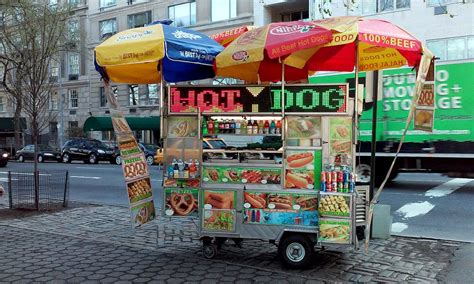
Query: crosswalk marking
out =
(447, 187)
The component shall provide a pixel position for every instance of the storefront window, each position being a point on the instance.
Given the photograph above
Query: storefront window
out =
(295, 16)
(183, 14)
(390, 5)
(107, 28)
(139, 20)
(153, 94)
(223, 10)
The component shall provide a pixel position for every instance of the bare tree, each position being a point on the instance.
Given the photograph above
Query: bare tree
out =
(31, 36)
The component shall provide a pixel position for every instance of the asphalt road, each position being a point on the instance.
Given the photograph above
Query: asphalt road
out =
(422, 204)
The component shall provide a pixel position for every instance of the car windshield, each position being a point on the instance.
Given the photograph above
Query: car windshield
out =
(151, 147)
(217, 144)
(99, 144)
(45, 148)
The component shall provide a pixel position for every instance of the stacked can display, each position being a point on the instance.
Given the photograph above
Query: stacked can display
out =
(333, 180)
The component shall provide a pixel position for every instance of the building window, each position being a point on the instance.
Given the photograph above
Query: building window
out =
(436, 3)
(54, 101)
(457, 48)
(153, 94)
(369, 7)
(53, 69)
(139, 20)
(390, 5)
(295, 16)
(73, 98)
(183, 14)
(103, 97)
(53, 2)
(107, 28)
(107, 3)
(2, 104)
(133, 95)
(73, 3)
(223, 10)
(73, 65)
(73, 124)
(73, 30)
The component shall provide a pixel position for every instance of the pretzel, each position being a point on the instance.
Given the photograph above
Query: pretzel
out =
(182, 204)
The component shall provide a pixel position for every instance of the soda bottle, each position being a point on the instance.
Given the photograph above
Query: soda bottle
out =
(196, 162)
(257, 218)
(204, 127)
(216, 126)
(175, 169)
(261, 125)
(232, 126)
(249, 127)
(266, 127)
(243, 127)
(278, 127)
(210, 126)
(328, 181)
(186, 170)
(340, 181)
(334, 181)
(170, 171)
(255, 127)
(237, 126)
(226, 126)
(192, 169)
(221, 127)
(272, 127)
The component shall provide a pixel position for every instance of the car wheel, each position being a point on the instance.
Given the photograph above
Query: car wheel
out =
(3, 164)
(21, 159)
(66, 158)
(92, 159)
(117, 160)
(296, 251)
(150, 160)
(40, 159)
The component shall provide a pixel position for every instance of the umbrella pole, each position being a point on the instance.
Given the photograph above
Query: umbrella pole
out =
(283, 130)
(373, 145)
(161, 107)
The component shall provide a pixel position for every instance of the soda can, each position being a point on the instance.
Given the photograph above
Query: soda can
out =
(323, 186)
(328, 186)
(328, 176)
(352, 183)
(339, 187)
(323, 176)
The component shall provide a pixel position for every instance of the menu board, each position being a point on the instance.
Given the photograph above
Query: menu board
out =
(336, 231)
(332, 205)
(261, 99)
(280, 208)
(240, 175)
(303, 169)
(181, 201)
(340, 140)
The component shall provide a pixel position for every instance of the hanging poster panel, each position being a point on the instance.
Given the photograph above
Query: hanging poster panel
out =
(134, 166)
(425, 108)
(303, 169)
(340, 141)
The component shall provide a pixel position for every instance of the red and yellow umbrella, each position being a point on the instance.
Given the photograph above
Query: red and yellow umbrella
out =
(226, 37)
(372, 43)
(256, 54)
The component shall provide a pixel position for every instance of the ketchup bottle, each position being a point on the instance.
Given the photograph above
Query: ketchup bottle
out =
(278, 127)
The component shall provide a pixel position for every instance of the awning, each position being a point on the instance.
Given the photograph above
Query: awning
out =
(7, 125)
(104, 123)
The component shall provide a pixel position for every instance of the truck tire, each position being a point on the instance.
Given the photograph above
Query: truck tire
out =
(296, 251)
(363, 173)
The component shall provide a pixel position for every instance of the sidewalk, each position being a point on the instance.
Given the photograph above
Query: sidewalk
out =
(97, 243)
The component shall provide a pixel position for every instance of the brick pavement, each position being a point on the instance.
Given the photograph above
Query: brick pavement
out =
(98, 243)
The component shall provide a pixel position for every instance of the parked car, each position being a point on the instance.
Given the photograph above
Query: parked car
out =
(45, 153)
(153, 154)
(4, 157)
(91, 151)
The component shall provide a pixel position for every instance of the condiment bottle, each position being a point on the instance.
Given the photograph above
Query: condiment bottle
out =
(221, 127)
(176, 170)
(243, 127)
(186, 170)
(261, 125)
(192, 169)
(226, 126)
(196, 162)
(232, 126)
(204, 127)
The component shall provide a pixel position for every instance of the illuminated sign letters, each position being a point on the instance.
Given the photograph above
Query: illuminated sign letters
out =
(262, 99)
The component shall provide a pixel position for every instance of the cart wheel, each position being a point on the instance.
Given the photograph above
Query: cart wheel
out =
(296, 251)
(209, 250)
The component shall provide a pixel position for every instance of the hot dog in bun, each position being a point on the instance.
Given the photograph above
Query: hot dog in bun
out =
(255, 200)
(299, 160)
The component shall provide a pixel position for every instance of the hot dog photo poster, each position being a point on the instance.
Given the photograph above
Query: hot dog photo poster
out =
(340, 140)
(280, 209)
(181, 202)
(303, 169)
(219, 210)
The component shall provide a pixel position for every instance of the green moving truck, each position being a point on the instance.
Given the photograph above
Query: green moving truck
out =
(449, 149)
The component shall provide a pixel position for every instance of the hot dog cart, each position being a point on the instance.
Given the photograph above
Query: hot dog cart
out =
(248, 168)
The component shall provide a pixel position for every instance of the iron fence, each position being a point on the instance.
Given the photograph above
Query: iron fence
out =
(38, 190)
